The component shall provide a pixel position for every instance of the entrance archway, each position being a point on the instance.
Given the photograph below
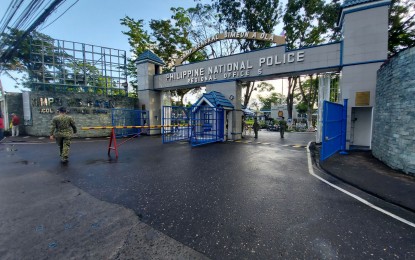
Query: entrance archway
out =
(357, 56)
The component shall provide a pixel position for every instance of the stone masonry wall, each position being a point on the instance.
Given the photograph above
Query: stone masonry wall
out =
(87, 110)
(393, 139)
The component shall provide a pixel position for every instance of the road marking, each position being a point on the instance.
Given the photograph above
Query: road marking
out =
(311, 171)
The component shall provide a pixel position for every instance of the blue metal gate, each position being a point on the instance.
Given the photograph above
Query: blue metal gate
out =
(197, 124)
(176, 124)
(129, 117)
(207, 125)
(334, 129)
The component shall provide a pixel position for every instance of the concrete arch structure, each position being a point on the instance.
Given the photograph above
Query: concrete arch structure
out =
(358, 56)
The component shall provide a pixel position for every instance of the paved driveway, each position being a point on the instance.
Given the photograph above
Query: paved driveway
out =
(236, 200)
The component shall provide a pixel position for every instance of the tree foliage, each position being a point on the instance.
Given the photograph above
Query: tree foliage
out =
(308, 23)
(273, 98)
(167, 38)
(249, 15)
(309, 94)
(401, 25)
(22, 61)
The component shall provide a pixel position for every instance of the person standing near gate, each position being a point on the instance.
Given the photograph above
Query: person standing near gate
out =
(1, 127)
(15, 124)
(283, 126)
(256, 127)
(61, 128)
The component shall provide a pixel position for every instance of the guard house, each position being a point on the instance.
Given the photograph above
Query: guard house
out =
(209, 118)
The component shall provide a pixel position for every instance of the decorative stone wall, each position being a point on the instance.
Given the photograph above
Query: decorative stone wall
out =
(88, 110)
(393, 139)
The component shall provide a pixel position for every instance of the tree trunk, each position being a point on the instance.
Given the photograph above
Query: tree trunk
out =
(249, 88)
(292, 84)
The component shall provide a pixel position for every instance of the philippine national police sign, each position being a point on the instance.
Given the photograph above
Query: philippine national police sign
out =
(261, 64)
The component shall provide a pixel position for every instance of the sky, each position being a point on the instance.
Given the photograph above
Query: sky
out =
(97, 22)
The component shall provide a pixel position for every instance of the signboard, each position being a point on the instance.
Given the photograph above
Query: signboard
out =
(362, 98)
(256, 64)
(259, 36)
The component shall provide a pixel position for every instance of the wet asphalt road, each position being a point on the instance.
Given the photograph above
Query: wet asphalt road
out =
(227, 200)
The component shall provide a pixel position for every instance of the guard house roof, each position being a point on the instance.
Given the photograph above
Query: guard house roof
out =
(149, 56)
(215, 99)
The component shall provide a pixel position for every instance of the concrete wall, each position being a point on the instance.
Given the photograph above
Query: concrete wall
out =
(87, 110)
(394, 115)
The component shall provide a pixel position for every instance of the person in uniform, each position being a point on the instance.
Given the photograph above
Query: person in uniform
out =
(283, 126)
(62, 128)
(256, 127)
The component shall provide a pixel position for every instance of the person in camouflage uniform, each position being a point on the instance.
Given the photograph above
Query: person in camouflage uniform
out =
(256, 127)
(61, 128)
(283, 127)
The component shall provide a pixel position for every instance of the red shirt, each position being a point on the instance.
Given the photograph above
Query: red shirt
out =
(16, 120)
(1, 123)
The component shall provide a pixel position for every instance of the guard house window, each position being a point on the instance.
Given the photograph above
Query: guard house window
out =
(207, 117)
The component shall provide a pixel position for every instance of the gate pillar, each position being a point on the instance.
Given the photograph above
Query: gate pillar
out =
(364, 49)
(148, 64)
(233, 121)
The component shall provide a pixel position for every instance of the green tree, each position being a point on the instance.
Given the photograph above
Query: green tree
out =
(205, 23)
(308, 23)
(309, 94)
(273, 98)
(401, 26)
(249, 15)
(168, 39)
(27, 59)
(301, 108)
(139, 41)
(172, 38)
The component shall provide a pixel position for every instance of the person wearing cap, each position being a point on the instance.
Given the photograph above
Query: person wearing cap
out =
(15, 124)
(62, 128)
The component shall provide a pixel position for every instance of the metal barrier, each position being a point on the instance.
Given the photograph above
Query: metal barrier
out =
(113, 138)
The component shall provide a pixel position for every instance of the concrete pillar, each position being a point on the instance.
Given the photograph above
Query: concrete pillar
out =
(233, 91)
(148, 98)
(364, 49)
